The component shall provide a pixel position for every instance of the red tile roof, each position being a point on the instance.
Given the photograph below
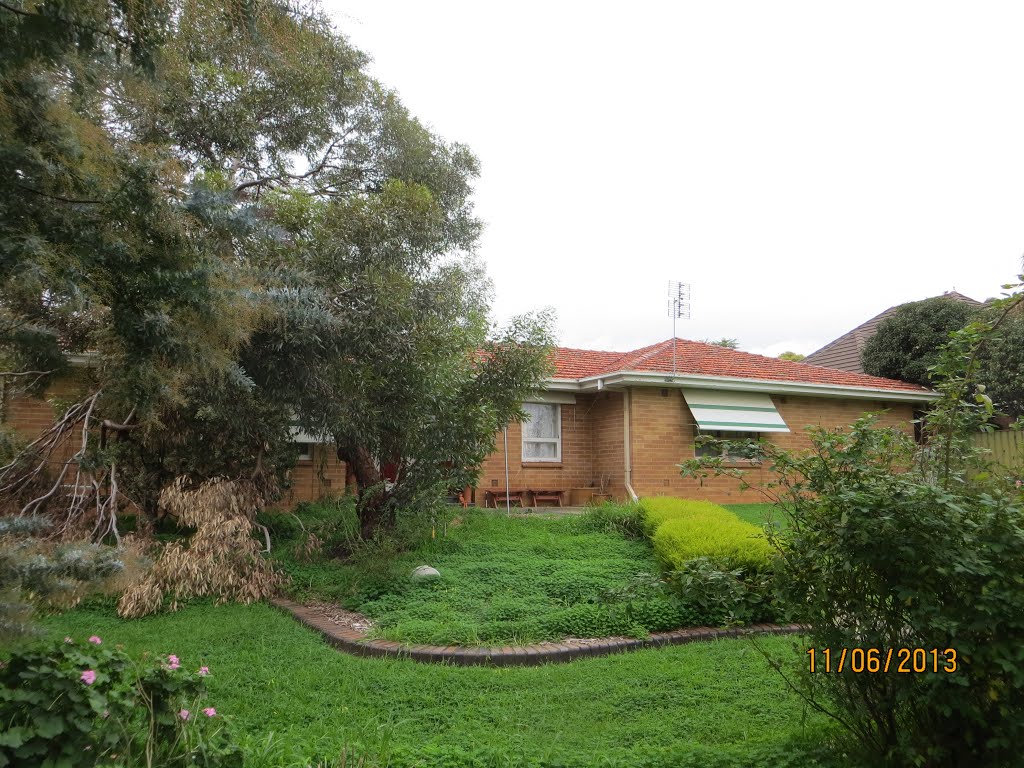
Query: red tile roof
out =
(697, 358)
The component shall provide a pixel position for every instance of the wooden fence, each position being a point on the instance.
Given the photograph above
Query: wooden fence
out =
(1007, 447)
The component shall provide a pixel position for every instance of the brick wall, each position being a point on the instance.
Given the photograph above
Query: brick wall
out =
(322, 474)
(30, 416)
(662, 435)
(575, 470)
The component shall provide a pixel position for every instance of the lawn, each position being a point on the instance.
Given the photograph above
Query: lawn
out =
(291, 698)
(504, 581)
(759, 514)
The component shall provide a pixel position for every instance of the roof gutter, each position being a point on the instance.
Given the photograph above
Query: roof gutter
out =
(736, 384)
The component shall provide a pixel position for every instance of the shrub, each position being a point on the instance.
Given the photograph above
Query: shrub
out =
(709, 595)
(84, 704)
(685, 530)
(656, 510)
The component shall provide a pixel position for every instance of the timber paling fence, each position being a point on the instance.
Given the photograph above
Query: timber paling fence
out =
(1007, 447)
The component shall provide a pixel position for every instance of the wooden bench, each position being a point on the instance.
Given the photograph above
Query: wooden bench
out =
(493, 498)
(552, 496)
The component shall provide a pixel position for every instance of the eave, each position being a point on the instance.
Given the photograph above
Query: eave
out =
(622, 379)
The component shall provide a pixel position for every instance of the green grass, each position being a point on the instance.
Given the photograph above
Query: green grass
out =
(759, 514)
(280, 685)
(504, 580)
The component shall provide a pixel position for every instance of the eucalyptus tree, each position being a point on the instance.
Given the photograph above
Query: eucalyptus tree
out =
(243, 230)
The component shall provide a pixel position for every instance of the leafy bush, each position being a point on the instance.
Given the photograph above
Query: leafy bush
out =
(709, 595)
(879, 557)
(685, 530)
(84, 704)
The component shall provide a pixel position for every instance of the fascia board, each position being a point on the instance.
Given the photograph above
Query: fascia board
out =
(620, 379)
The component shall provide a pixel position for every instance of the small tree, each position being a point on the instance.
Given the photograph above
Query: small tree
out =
(794, 357)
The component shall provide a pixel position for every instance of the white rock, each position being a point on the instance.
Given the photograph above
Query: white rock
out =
(425, 572)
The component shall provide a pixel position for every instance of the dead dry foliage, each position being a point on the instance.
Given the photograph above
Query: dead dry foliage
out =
(221, 559)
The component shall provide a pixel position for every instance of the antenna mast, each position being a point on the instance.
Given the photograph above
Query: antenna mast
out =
(678, 307)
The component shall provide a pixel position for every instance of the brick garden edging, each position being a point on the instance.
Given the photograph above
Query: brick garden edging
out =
(354, 642)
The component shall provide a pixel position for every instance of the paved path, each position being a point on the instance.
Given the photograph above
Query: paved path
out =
(355, 642)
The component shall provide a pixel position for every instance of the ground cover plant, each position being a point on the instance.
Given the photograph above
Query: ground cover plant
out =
(290, 700)
(505, 580)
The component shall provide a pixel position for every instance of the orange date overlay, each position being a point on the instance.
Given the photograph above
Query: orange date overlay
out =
(872, 660)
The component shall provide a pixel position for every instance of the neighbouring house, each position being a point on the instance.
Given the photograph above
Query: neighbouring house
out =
(618, 423)
(845, 352)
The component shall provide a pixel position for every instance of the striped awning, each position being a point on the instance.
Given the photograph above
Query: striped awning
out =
(734, 411)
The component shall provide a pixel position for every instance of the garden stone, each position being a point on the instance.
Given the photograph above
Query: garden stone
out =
(425, 572)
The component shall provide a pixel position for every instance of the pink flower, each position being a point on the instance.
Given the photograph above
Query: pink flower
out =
(172, 662)
(183, 714)
(1019, 483)
(95, 640)
(204, 671)
(210, 712)
(88, 677)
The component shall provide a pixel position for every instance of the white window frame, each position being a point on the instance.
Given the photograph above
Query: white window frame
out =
(305, 450)
(557, 459)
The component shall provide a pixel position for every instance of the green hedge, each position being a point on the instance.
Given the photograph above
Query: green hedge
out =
(682, 530)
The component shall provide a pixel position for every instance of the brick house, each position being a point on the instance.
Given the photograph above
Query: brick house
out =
(618, 423)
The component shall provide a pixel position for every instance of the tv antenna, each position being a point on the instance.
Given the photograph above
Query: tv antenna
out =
(678, 307)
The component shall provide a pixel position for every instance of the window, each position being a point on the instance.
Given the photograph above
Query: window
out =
(542, 432)
(742, 446)
(305, 451)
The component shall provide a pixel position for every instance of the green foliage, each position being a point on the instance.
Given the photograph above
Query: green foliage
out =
(1002, 366)
(245, 230)
(878, 558)
(83, 703)
(723, 342)
(37, 573)
(503, 580)
(793, 357)
(684, 530)
(295, 701)
(898, 546)
(624, 519)
(709, 595)
(906, 344)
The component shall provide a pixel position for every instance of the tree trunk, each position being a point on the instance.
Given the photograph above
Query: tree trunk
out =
(372, 507)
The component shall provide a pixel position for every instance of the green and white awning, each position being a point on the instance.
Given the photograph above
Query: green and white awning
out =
(719, 410)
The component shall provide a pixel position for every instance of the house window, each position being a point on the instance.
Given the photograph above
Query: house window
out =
(542, 432)
(305, 451)
(740, 448)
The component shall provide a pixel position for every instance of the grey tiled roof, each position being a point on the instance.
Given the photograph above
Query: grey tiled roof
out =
(845, 352)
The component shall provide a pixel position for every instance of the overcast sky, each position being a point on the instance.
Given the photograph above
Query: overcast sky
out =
(803, 165)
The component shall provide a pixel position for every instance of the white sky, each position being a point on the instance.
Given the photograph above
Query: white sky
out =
(803, 165)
